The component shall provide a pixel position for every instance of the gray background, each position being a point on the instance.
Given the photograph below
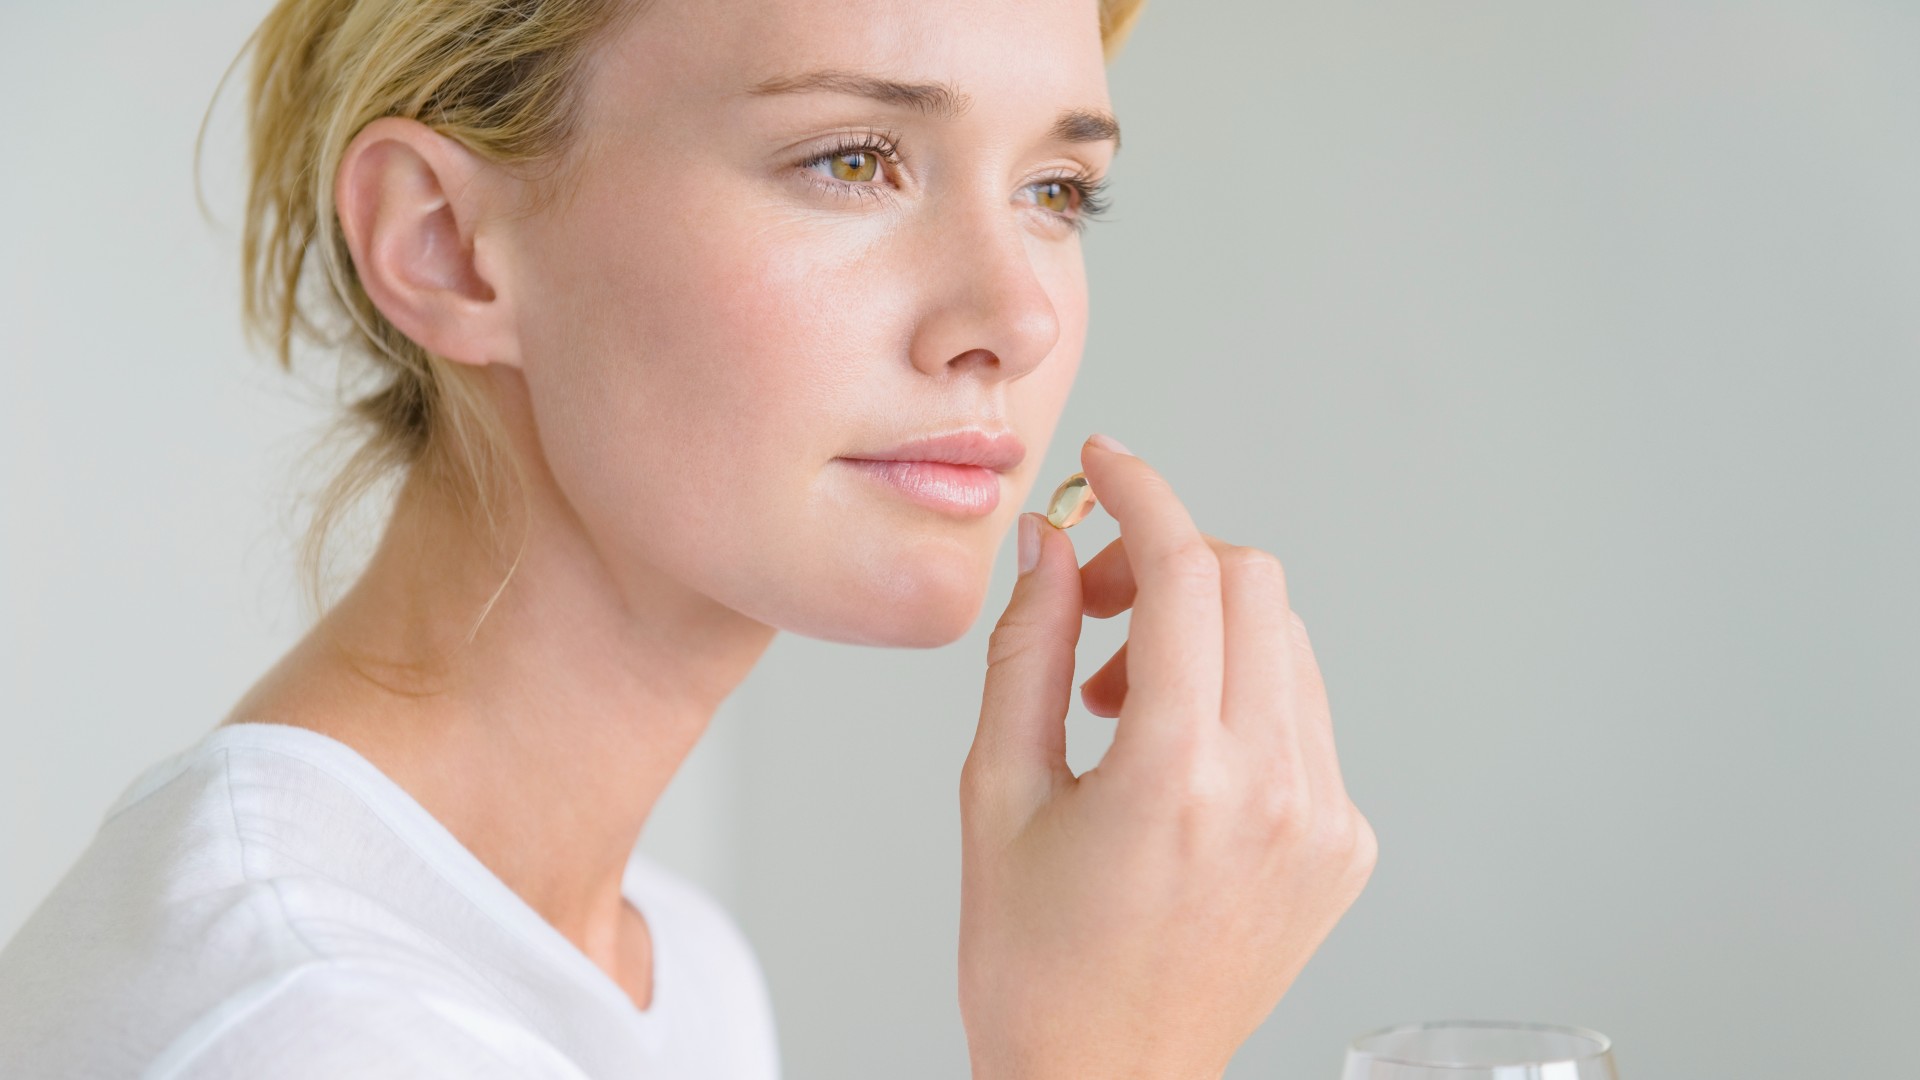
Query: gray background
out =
(1565, 353)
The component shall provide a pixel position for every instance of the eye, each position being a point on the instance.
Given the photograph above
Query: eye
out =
(1056, 195)
(1077, 198)
(857, 165)
(1060, 196)
(850, 167)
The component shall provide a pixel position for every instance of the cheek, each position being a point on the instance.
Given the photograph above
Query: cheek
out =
(691, 385)
(689, 338)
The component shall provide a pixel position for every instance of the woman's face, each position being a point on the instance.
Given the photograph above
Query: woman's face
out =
(747, 286)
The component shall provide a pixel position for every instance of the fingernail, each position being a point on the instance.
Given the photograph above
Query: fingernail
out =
(1029, 542)
(1108, 442)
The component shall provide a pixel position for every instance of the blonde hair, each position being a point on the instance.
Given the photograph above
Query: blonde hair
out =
(498, 76)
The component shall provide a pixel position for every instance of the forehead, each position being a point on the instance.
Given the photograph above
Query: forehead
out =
(1046, 50)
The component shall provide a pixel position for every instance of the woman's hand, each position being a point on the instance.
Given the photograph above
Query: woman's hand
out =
(1142, 919)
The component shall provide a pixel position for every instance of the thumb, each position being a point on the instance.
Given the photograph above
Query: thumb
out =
(1019, 752)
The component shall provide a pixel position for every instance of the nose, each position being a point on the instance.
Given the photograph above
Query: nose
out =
(986, 307)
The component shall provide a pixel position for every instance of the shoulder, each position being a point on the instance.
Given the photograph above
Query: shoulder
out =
(214, 924)
(327, 1020)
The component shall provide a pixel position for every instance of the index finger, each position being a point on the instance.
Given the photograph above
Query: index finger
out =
(1175, 643)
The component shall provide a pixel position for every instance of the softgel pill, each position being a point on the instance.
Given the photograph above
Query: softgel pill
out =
(1071, 502)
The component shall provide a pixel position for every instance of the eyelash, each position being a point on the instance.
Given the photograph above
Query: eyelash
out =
(1090, 193)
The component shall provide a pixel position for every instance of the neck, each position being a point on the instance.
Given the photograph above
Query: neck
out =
(542, 743)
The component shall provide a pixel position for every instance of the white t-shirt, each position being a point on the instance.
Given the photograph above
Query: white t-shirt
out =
(267, 903)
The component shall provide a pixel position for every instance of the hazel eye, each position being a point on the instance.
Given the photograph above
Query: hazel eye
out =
(1055, 195)
(854, 167)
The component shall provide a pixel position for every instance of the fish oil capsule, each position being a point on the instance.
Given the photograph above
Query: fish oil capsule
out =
(1072, 501)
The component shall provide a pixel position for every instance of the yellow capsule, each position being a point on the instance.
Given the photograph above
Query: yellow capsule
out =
(1072, 501)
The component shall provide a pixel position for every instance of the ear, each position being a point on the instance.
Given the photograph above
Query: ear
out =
(418, 213)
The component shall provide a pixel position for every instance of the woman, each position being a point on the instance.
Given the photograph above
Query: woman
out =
(690, 322)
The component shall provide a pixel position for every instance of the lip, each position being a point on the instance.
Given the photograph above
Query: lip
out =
(996, 450)
(956, 472)
(965, 490)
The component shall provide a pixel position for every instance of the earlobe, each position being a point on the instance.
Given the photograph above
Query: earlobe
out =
(413, 207)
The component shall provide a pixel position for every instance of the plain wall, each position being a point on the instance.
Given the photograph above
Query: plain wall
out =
(1567, 354)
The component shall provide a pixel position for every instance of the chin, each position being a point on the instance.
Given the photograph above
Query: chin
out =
(909, 604)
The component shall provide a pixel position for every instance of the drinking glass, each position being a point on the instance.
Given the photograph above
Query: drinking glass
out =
(1480, 1050)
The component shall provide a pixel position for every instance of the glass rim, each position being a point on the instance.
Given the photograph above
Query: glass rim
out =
(1602, 1044)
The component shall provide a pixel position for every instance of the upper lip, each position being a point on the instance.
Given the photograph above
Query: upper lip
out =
(998, 450)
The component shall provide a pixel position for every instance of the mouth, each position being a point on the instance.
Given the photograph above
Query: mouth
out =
(998, 450)
(964, 490)
(957, 472)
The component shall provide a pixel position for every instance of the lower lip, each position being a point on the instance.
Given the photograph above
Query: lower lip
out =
(971, 490)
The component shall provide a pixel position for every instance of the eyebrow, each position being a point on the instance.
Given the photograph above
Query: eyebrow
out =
(936, 99)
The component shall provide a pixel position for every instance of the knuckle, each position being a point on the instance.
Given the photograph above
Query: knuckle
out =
(1010, 638)
(1366, 849)
(1257, 564)
(1192, 561)
(1345, 840)
(1297, 637)
(981, 795)
(969, 778)
(1282, 803)
(1334, 835)
(1206, 786)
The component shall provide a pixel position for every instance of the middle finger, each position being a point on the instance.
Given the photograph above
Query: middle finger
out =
(1107, 586)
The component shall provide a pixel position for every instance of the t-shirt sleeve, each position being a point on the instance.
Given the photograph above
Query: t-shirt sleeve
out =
(326, 1024)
